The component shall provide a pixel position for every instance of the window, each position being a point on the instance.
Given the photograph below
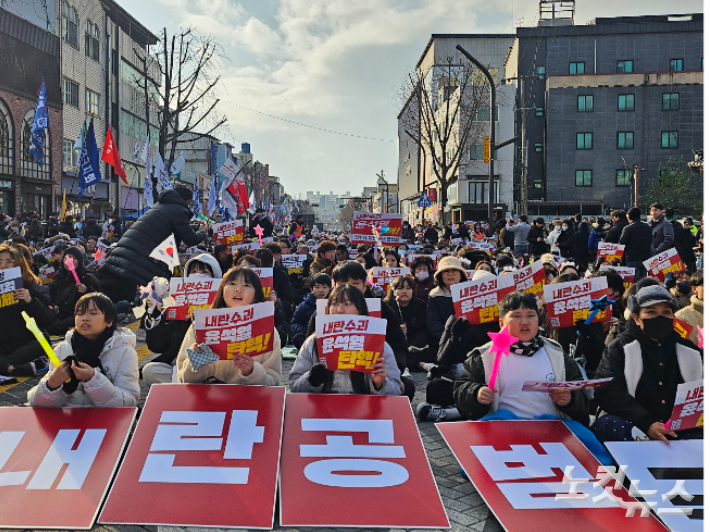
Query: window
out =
(576, 68)
(623, 178)
(475, 153)
(538, 147)
(91, 40)
(626, 102)
(70, 158)
(676, 65)
(70, 25)
(478, 192)
(624, 67)
(584, 141)
(71, 93)
(585, 103)
(114, 62)
(482, 114)
(6, 140)
(539, 111)
(669, 139)
(540, 71)
(583, 178)
(671, 101)
(625, 140)
(92, 102)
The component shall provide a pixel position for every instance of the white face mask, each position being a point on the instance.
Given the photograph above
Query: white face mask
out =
(564, 228)
(199, 275)
(422, 276)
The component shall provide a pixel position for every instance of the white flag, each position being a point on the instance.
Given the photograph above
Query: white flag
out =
(136, 149)
(161, 174)
(178, 164)
(146, 149)
(167, 252)
(147, 183)
(252, 203)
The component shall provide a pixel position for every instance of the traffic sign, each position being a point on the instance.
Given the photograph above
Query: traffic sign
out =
(424, 201)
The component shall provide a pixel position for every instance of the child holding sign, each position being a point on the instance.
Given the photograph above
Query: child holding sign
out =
(240, 287)
(309, 375)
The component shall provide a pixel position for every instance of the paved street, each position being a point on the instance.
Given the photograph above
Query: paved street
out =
(464, 507)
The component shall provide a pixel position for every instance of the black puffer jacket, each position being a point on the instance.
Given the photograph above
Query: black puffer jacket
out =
(130, 259)
(614, 234)
(92, 228)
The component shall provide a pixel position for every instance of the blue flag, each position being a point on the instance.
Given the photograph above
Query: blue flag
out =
(196, 198)
(39, 124)
(89, 165)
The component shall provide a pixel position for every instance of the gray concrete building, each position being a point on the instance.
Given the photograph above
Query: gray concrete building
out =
(595, 99)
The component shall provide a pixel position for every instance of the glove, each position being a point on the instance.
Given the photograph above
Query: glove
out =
(318, 374)
(669, 281)
(458, 330)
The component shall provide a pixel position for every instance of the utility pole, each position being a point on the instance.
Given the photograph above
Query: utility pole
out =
(636, 184)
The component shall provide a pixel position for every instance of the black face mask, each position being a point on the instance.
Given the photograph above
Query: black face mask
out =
(658, 328)
(683, 287)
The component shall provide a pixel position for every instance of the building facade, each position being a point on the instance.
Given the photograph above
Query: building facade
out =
(598, 99)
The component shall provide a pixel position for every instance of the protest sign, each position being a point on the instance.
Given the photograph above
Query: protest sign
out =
(229, 170)
(46, 274)
(389, 228)
(609, 251)
(567, 303)
(522, 470)
(191, 294)
(228, 233)
(531, 279)
(267, 280)
(485, 246)
(682, 328)
(188, 254)
(100, 253)
(248, 329)
(65, 456)
(670, 476)
(374, 307)
(355, 461)
(688, 410)
(627, 274)
(249, 246)
(10, 280)
(350, 342)
(293, 263)
(352, 254)
(202, 456)
(568, 386)
(47, 253)
(664, 263)
(383, 276)
(477, 301)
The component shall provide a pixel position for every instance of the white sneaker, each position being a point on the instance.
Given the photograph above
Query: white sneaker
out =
(140, 334)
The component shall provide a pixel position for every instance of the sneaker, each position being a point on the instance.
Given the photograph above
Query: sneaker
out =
(428, 366)
(140, 334)
(30, 369)
(427, 412)
(406, 373)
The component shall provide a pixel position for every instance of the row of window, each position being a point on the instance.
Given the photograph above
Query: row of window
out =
(28, 163)
(670, 101)
(70, 32)
(624, 140)
(623, 66)
(70, 96)
(583, 178)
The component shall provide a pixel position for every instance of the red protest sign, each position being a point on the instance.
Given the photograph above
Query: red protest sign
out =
(477, 301)
(609, 251)
(518, 468)
(46, 274)
(682, 328)
(191, 294)
(348, 342)
(664, 263)
(249, 246)
(627, 274)
(10, 280)
(267, 280)
(531, 279)
(389, 227)
(566, 303)
(355, 461)
(382, 276)
(688, 409)
(68, 454)
(202, 456)
(352, 254)
(248, 329)
(228, 233)
(485, 246)
(188, 254)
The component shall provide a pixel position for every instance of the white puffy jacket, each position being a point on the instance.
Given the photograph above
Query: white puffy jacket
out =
(118, 386)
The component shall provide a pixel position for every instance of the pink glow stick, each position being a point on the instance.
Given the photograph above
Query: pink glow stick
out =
(69, 263)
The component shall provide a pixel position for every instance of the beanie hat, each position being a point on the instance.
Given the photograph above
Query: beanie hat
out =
(185, 192)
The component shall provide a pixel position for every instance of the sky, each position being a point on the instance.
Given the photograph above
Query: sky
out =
(337, 65)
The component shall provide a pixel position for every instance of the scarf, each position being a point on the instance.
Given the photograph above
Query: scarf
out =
(86, 351)
(527, 349)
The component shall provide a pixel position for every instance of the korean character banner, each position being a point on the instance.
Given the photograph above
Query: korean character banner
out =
(228, 233)
(191, 294)
(383, 276)
(228, 331)
(477, 301)
(267, 279)
(293, 263)
(347, 342)
(627, 274)
(664, 263)
(567, 303)
(531, 279)
(390, 228)
(10, 280)
(609, 251)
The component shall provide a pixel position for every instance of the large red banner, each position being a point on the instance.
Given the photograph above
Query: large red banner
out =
(347, 342)
(56, 464)
(388, 226)
(531, 279)
(664, 263)
(520, 468)
(477, 301)
(191, 294)
(228, 233)
(248, 329)
(356, 461)
(566, 303)
(202, 456)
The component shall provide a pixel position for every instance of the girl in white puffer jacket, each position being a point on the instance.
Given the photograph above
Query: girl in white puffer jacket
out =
(99, 361)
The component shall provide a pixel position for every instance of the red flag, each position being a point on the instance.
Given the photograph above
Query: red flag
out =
(111, 156)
